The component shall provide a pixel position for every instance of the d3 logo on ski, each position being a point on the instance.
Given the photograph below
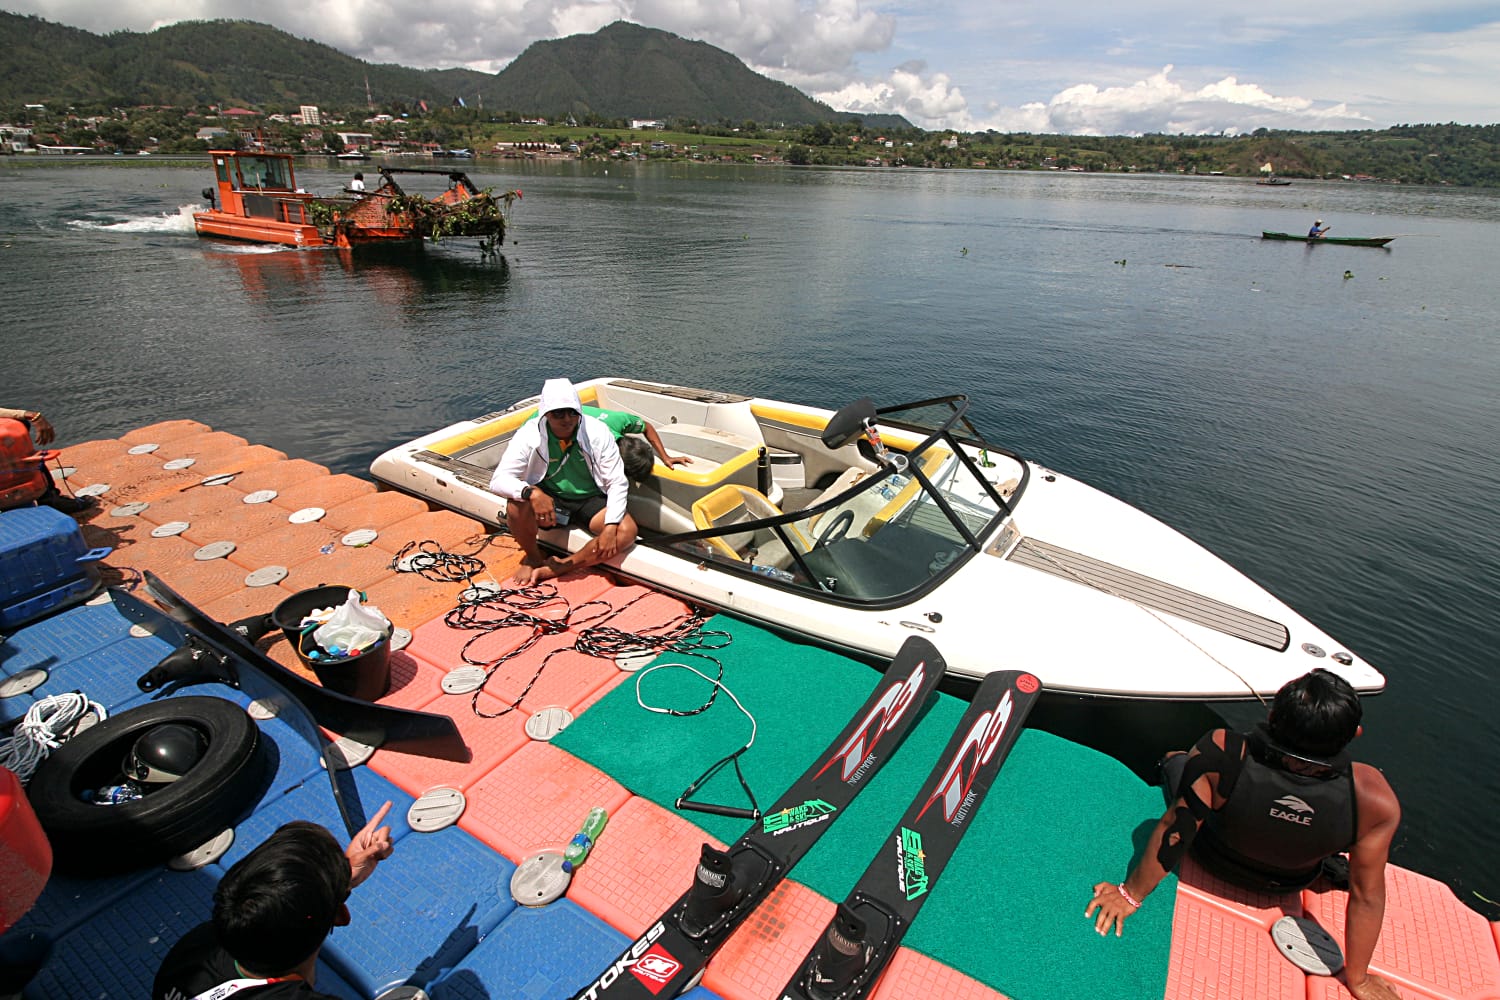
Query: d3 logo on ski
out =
(982, 739)
(880, 720)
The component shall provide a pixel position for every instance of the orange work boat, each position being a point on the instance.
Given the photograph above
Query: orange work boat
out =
(258, 200)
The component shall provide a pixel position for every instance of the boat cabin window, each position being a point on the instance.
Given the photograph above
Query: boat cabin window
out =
(265, 172)
(221, 169)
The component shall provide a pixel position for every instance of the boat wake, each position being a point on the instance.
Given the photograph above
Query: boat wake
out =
(180, 221)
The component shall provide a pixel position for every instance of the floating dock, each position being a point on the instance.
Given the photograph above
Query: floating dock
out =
(439, 913)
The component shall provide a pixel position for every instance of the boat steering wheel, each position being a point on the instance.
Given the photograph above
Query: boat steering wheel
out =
(835, 531)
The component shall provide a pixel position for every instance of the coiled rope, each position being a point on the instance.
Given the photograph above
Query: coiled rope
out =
(43, 729)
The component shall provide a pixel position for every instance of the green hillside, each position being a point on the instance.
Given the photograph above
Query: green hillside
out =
(622, 71)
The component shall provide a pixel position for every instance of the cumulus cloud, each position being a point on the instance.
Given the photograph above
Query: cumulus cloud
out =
(1155, 104)
(907, 91)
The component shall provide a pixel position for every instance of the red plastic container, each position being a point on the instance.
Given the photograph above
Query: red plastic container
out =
(22, 478)
(25, 855)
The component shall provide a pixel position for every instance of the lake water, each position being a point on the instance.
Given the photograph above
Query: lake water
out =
(1324, 417)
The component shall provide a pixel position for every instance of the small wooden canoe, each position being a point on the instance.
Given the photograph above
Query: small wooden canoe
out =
(1348, 241)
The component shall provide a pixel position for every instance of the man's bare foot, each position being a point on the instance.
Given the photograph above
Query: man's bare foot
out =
(525, 574)
(551, 571)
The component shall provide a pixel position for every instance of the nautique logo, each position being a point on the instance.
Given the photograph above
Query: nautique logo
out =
(980, 742)
(880, 720)
(911, 872)
(1300, 812)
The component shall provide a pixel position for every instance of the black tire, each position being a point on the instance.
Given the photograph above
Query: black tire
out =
(219, 790)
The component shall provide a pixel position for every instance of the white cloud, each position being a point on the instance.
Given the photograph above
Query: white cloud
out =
(907, 92)
(1155, 104)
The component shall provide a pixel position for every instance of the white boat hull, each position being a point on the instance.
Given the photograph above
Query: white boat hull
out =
(1093, 596)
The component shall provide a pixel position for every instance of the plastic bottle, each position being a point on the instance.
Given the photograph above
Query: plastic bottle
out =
(111, 795)
(772, 572)
(583, 841)
(892, 486)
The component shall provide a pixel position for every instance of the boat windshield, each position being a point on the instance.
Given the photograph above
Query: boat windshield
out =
(884, 534)
(262, 172)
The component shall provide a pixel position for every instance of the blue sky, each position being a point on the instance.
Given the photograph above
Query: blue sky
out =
(1103, 67)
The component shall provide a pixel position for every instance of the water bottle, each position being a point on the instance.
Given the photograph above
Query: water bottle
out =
(772, 572)
(111, 795)
(583, 841)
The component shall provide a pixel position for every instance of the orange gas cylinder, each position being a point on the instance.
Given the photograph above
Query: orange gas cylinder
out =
(25, 855)
(22, 478)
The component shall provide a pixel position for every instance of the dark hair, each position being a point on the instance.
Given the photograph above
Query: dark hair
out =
(638, 457)
(1318, 713)
(276, 905)
(358, 176)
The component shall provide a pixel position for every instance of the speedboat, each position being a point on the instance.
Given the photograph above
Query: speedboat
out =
(859, 527)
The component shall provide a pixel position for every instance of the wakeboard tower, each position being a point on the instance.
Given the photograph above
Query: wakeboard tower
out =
(728, 885)
(846, 961)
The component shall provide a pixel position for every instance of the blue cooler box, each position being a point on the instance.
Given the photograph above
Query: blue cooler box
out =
(44, 564)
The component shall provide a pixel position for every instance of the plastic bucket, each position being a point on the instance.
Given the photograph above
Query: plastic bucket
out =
(366, 676)
(25, 854)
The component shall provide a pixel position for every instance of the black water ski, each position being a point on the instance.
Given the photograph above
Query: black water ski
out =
(863, 935)
(729, 885)
(399, 729)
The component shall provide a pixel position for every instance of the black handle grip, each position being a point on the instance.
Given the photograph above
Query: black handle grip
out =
(737, 812)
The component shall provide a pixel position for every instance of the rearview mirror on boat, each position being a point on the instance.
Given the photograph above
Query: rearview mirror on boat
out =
(848, 423)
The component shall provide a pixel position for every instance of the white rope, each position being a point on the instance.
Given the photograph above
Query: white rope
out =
(718, 684)
(43, 729)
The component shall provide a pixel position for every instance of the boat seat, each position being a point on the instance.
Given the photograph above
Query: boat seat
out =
(734, 504)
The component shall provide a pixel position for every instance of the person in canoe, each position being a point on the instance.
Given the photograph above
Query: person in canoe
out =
(1272, 810)
(1317, 230)
(562, 468)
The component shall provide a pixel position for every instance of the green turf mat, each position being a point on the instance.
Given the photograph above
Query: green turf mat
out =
(1009, 908)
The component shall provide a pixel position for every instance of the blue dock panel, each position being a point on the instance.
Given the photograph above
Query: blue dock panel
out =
(423, 910)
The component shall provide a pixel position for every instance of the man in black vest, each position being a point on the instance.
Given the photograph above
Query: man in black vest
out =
(1265, 809)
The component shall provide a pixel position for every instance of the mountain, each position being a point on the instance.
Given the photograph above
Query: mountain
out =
(625, 70)
(200, 62)
(621, 71)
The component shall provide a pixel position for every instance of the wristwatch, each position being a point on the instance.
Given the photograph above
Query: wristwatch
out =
(526, 491)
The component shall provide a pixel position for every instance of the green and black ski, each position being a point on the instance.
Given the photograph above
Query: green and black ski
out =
(846, 961)
(729, 885)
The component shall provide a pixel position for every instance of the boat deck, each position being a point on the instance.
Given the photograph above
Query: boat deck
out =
(439, 912)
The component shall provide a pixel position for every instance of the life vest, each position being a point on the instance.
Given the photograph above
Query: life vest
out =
(22, 476)
(1278, 825)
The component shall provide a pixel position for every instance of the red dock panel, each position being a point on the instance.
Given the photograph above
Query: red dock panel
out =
(644, 861)
(489, 740)
(326, 492)
(762, 955)
(163, 431)
(373, 510)
(1428, 939)
(538, 798)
